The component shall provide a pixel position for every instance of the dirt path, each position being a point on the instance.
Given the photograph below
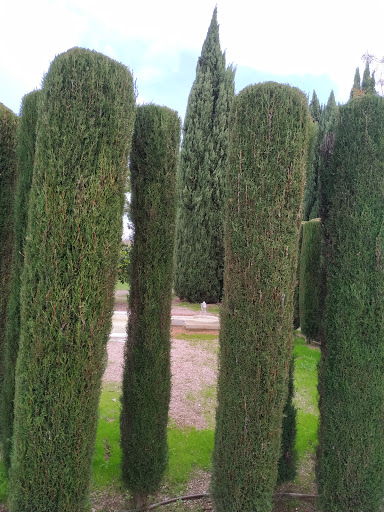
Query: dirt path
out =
(193, 369)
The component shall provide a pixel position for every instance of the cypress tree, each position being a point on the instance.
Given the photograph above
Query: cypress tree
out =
(73, 236)
(315, 108)
(356, 89)
(351, 454)
(268, 144)
(8, 182)
(311, 280)
(199, 248)
(327, 128)
(310, 199)
(147, 373)
(366, 81)
(287, 466)
(26, 138)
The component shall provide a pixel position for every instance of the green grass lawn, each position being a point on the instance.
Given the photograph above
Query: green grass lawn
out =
(191, 449)
(211, 308)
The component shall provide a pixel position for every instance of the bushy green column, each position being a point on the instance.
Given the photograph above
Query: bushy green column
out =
(147, 377)
(199, 247)
(351, 465)
(8, 182)
(268, 144)
(26, 139)
(311, 280)
(73, 238)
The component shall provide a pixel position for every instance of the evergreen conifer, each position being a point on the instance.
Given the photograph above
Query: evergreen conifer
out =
(147, 372)
(356, 89)
(26, 138)
(311, 280)
(315, 108)
(351, 448)
(8, 183)
(73, 238)
(199, 248)
(268, 143)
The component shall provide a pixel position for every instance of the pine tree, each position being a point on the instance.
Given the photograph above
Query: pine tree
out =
(199, 249)
(26, 138)
(268, 143)
(74, 230)
(147, 372)
(356, 89)
(351, 448)
(8, 183)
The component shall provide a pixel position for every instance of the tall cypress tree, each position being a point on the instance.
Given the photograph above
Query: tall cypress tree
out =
(73, 237)
(147, 372)
(268, 145)
(8, 182)
(315, 108)
(26, 138)
(351, 448)
(356, 88)
(199, 248)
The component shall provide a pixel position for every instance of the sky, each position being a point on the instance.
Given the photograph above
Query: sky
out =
(307, 44)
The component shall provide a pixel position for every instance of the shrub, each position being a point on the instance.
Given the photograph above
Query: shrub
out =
(8, 181)
(268, 142)
(26, 139)
(311, 280)
(351, 452)
(147, 372)
(74, 230)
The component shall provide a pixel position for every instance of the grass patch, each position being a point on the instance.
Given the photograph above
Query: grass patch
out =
(107, 459)
(189, 449)
(211, 308)
(121, 286)
(306, 396)
(208, 342)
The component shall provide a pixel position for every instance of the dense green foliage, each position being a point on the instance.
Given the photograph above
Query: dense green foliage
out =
(326, 136)
(125, 263)
(74, 230)
(8, 183)
(351, 456)
(311, 280)
(296, 304)
(26, 138)
(147, 373)
(356, 88)
(268, 143)
(199, 249)
(287, 465)
(315, 108)
(368, 82)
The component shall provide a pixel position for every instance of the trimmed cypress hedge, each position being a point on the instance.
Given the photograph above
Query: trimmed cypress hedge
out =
(265, 177)
(73, 238)
(311, 280)
(351, 454)
(147, 377)
(296, 305)
(26, 138)
(8, 182)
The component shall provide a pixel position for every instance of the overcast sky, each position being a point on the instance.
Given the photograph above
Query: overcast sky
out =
(312, 45)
